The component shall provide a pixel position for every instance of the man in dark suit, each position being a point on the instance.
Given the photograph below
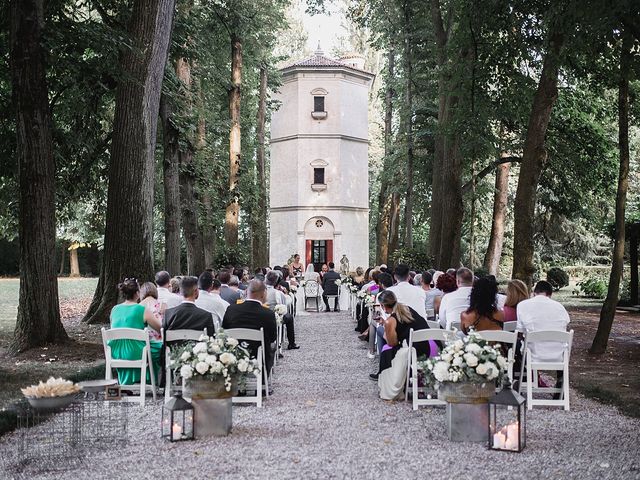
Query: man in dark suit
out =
(254, 315)
(187, 316)
(329, 287)
(227, 293)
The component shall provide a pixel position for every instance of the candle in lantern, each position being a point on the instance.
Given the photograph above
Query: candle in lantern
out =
(176, 431)
(512, 436)
(498, 440)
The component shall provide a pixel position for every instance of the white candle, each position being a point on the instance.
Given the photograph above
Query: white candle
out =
(176, 431)
(498, 440)
(512, 436)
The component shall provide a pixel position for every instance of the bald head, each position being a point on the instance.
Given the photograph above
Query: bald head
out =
(257, 290)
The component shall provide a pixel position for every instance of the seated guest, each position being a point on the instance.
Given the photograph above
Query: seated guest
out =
(517, 291)
(234, 284)
(175, 285)
(227, 293)
(446, 284)
(252, 314)
(407, 293)
(400, 320)
(329, 287)
(187, 315)
(542, 313)
(239, 272)
(324, 269)
(165, 293)
(358, 278)
(311, 275)
(130, 314)
(454, 303)
(482, 314)
(275, 297)
(430, 293)
(149, 298)
(211, 302)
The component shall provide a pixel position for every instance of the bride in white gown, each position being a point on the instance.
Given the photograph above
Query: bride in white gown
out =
(311, 274)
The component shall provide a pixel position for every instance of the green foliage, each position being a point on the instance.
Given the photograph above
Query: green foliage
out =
(558, 278)
(417, 258)
(592, 287)
(235, 256)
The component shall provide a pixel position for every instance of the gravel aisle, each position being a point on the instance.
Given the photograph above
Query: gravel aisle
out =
(326, 421)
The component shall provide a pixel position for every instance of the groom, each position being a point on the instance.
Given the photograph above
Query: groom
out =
(330, 288)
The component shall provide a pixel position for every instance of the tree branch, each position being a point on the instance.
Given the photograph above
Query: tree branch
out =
(488, 169)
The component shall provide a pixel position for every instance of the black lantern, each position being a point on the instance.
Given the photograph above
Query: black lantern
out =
(177, 419)
(507, 420)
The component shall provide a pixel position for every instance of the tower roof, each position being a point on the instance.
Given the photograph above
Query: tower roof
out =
(320, 61)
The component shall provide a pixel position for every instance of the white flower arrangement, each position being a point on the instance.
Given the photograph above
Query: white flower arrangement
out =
(362, 294)
(338, 282)
(213, 358)
(293, 288)
(353, 288)
(470, 360)
(370, 300)
(303, 283)
(280, 310)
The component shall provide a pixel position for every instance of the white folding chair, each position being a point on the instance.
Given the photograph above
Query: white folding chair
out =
(416, 336)
(434, 324)
(533, 367)
(175, 336)
(143, 363)
(509, 326)
(505, 338)
(248, 334)
(336, 299)
(312, 292)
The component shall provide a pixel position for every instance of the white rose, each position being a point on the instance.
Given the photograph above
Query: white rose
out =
(202, 367)
(220, 341)
(473, 348)
(243, 366)
(457, 362)
(280, 309)
(492, 370)
(216, 367)
(471, 359)
(481, 369)
(186, 372)
(216, 348)
(458, 345)
(446, 357)
(185, 356)
(202, 356)
(203, 338)
(232, 342)
(210, 359)
(228, 358)
(441, 371)
(502, 362)
(200, 347)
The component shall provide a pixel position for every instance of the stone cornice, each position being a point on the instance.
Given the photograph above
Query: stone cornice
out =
(300, 136)
(292, 208)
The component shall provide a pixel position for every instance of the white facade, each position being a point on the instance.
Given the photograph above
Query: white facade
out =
(334, 213)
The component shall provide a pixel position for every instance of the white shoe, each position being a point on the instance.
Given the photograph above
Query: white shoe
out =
(370, 355)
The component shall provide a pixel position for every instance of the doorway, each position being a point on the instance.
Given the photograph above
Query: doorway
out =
(319, 252)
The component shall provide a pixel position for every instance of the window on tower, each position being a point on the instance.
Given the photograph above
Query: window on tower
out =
(318, 176)
(318, 104)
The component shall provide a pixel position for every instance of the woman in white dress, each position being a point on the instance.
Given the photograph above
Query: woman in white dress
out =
(311, 274)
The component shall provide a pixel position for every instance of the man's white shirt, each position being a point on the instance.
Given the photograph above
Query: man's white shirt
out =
(542, 313)
(213, 303)
(411, 296)
(168, 297)
(452, 305)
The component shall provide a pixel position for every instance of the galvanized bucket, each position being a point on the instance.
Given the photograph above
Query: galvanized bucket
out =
(212, 406)
(467, 411)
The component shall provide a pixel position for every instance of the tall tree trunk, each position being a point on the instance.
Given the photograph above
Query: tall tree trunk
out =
(496, 239)
(74, 265)
(233, 207)
(534, 158)
(209, 234)
(171, 184)
(608, 311)
(384, 197)
(408, 67)
(63, 258)
(472, 217)
(189, 201)
(394, 224)
(128, 240)
(38, 320)
(259, 245)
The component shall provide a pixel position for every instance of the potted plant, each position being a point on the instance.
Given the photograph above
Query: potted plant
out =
(465, 374)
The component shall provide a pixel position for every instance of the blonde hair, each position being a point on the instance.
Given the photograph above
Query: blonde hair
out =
(148, 289)
(517, 291)
(400, 311)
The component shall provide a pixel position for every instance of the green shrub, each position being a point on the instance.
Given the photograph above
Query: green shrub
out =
(558, 278)
(593, 287)
(416, 258)
(231, 256)
(481, 272)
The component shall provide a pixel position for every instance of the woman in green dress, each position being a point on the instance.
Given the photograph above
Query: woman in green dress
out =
(130, 314)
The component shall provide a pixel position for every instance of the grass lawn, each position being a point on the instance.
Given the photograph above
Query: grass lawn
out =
(70, 289)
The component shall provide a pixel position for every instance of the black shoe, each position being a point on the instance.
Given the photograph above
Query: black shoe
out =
(336, 310)
(373, 376)
(241, 393)
(270, 391)
(280, 355)
(356, 329)
(293, 347)
(364, 337)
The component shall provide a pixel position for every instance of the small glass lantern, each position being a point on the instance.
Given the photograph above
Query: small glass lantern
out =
(507, 420)
(177, 419)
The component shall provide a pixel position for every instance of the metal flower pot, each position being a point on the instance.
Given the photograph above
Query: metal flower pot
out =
(467, 413)
(212, 405)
